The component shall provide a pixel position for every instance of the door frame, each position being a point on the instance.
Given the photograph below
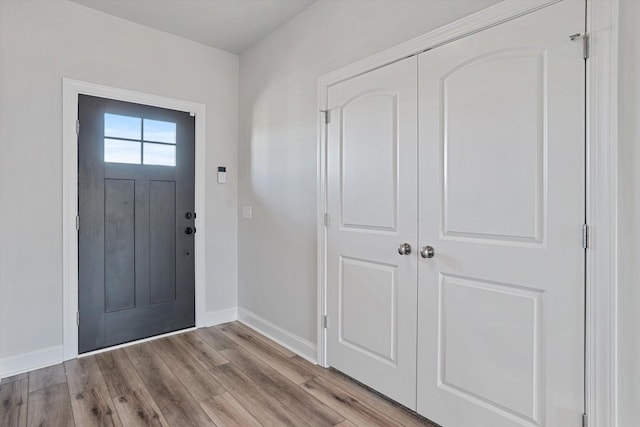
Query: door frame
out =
(71, 89)
(601, 181)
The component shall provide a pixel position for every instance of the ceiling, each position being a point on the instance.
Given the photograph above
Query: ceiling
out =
(231, 25)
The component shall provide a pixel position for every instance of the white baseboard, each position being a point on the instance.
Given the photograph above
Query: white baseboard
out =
(298, 345)
(20, 363)
(213, 318)
(26, 362)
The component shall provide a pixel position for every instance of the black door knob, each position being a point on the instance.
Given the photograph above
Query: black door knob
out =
(190, 215)
(190, 230)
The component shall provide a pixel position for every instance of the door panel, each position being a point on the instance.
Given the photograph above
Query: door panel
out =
(369, 170)
(162, 241)
(372, 177)
(501, 305)
(367, 300)
(506, 84)
(476, 319)
(119, 244)
(136, 183)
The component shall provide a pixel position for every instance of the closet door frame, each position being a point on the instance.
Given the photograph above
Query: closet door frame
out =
(601, 180)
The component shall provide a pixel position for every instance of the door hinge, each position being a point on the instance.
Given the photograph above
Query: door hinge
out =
(325, 321)
(585, 420)
(585, 43)
(586, 47)
(77, 127)
(585, 236)
(77, 318)
(327, 116)
(77, 222)
(327, 219)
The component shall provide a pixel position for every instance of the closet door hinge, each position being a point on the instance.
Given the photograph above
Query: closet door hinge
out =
(77, 222)
(327, 219)
(325, 321)
(585, 420)
(585, 43)
(585, 236)
(77, 319)
(327, 116)
(77, 127)
(586, 47)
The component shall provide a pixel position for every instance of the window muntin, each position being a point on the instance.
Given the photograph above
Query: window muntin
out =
(135, 140)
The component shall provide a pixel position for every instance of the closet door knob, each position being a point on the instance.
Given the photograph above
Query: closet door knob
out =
(404, 249)
(427, 252)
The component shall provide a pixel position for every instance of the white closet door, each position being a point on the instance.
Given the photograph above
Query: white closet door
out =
(372, 202)
(501, 303)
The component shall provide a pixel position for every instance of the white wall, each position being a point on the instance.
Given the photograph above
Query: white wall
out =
(277, 146)
(629, 216)
(40, 42)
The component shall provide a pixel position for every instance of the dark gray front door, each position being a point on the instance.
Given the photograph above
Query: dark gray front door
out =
(136, 206)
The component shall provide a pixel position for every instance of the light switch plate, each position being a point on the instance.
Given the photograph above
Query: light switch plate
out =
(247, 212)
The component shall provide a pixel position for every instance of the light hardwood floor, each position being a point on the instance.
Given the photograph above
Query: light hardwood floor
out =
(228, 375)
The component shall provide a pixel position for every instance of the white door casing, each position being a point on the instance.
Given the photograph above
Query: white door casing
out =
(372, 203)
(502, 199)
(71, 89)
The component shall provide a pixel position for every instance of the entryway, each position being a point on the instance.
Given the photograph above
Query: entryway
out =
(456, 202)
(136, 222)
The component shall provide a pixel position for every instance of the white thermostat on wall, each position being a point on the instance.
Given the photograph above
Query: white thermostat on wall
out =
(222, 175)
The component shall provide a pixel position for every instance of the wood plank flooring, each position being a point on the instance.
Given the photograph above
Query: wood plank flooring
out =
(227, 375)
